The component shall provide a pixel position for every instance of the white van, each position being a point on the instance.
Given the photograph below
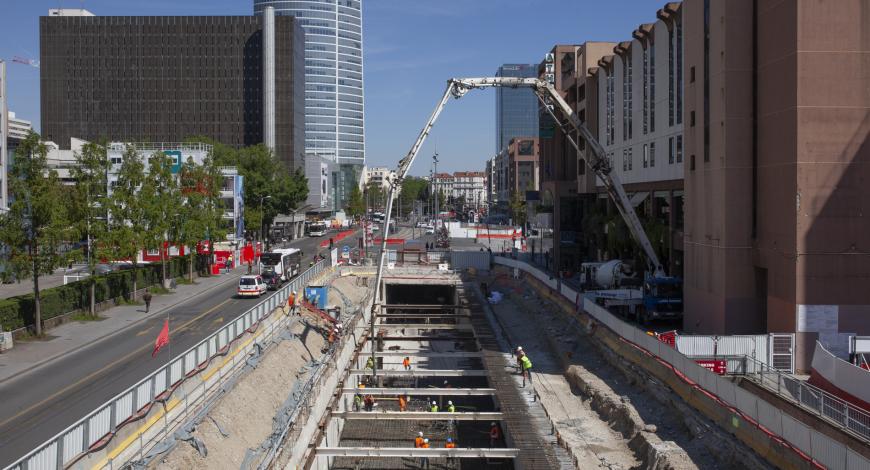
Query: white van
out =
(251, 286)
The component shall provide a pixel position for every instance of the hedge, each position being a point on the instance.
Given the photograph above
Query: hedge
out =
(17, 312)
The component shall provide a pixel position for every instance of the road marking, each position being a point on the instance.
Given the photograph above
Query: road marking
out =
(218, 320)
(143, 332)
(104, 368)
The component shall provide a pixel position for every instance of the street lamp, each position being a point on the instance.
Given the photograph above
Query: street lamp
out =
(435, 183)
(263, 221)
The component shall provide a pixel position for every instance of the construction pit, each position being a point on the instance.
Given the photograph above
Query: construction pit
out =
(585, 408)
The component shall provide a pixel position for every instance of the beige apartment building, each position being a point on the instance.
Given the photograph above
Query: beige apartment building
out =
(776, 125)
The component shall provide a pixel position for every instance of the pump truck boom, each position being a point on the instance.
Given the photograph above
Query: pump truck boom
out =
(598, 163)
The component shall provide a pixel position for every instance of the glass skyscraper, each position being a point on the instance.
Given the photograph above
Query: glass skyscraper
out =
(334, 107)
(516, 109)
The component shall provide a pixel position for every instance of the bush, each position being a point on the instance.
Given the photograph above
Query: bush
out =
(16, 312)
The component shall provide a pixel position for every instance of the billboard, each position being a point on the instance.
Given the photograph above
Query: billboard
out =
(324, 184)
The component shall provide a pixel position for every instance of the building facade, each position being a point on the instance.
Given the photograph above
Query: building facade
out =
(776, 159)
(517, 170)
(4, 137)
(516, 109)
(470, 187)
(320, 172)
(378, 175)
(335, 107)
(156, 78)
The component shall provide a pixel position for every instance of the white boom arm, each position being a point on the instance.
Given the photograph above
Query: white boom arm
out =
(550, 98)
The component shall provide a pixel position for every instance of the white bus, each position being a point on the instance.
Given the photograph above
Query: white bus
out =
(317, 229)
(283, 261)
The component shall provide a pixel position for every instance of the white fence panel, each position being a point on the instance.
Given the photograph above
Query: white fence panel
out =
(770, 417)
(46, 459)
(797, 433)
(160, 382)
(123, 407)
(73, 443)
(99, 425)
(829, 452)
(202, 353)
(189, 362)
(143, 394)
(856, 461)
(176, 371)
(747, 402)
(726, 389)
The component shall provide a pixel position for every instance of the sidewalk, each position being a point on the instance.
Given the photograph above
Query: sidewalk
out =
(69, 337)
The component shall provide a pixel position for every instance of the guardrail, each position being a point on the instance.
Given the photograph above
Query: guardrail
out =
(809, 442)
(94, 431)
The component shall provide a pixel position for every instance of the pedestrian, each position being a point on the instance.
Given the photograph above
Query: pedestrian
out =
(433, 407)
(357, 402)
(403, 402)
(229, 262)
(147, 299)
(527, 369)
(450, 407)
(406, 362)
(424, 463)
(519, 353)
(291, 302)
(369, 402)
(370, 363)
(494, 434)
(418, 441)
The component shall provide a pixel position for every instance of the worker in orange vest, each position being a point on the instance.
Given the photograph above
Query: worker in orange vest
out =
(418, 441)
(403, 403)
(494, 434)
(450, 444)
(291, 303)
(407, 363)
(425, 460)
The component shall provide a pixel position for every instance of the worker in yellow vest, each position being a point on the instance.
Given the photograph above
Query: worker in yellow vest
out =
(527, 369)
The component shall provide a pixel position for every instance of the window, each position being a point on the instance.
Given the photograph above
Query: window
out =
(645, 156)
(652, 154)
(645, 91)
(624, 159)
(671, 150)
(679, 105)
(630, 158)
(671, 77)
(692, 119)
(679, 149)
(692, 163)
(652, 87)
(692, 74)
(581, 167)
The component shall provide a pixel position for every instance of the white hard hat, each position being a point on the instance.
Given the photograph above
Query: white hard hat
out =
(420, 433)
(492, 423)
(433, 403)
(426, 441)
(519, 348)
(449, 402)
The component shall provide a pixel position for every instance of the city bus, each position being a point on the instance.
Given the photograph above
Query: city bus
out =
(317, 229)
(283, 261)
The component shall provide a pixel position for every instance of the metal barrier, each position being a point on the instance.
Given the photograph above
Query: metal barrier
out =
(812, 443)
(98, 428)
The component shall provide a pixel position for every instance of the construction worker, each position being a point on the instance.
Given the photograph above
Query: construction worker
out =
(450, 444)
(357, 402)
(434, 407)
(403, 402)
(370, 363)
(494, 433)
(527, 369)
(291, 302)
(418, 441)
(425, 460)
(369, 402)
(519, 353)
(450, 407)
(406, 362)
(360, 385)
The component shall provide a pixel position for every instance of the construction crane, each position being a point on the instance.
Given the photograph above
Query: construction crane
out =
(23, 60)
(598, 163)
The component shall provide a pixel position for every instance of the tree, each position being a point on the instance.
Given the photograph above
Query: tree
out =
(356, 205)
(128, 223)
(89, 208)
(518, 209)
(413, 189)
(377, 196)
(162, 200)
(36, 231)
(200, 193)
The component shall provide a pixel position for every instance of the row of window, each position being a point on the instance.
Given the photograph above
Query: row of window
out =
(675, 155)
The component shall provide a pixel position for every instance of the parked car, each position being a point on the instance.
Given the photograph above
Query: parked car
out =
(430, 230)
(251, 286)
(272, 279)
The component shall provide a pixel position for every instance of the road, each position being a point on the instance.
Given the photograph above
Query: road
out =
(39, 404)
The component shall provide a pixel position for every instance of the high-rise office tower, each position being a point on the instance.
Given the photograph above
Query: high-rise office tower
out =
(516, 109)
(334, 108)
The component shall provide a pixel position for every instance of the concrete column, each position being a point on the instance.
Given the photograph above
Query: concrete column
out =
(269, 77)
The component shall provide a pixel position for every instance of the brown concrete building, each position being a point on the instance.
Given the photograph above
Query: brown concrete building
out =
(517, 169)
(777, 103)
(564, 176)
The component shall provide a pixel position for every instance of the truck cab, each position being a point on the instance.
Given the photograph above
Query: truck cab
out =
(662, 299)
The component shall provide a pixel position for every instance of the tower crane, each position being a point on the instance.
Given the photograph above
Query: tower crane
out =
(598, 163)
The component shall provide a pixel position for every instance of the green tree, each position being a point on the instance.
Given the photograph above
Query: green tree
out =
(356, 205)
(200, 192)
(89, 208)
(377, 196)
(518, 209)
(128, 222)
(36, 230)
(162, 199)
(413, 190)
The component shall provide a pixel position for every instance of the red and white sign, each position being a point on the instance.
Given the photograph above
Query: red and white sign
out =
(716, 366)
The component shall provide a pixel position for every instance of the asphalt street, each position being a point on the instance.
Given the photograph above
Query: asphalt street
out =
(39, 404)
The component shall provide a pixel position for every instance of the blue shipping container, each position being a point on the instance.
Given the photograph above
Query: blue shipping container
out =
(317, 295)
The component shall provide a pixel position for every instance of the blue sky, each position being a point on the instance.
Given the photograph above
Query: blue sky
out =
(411, 48)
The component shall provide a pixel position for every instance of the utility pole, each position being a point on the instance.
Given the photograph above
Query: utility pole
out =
(435, 180)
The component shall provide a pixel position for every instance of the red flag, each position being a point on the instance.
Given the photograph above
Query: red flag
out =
(162, 338)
